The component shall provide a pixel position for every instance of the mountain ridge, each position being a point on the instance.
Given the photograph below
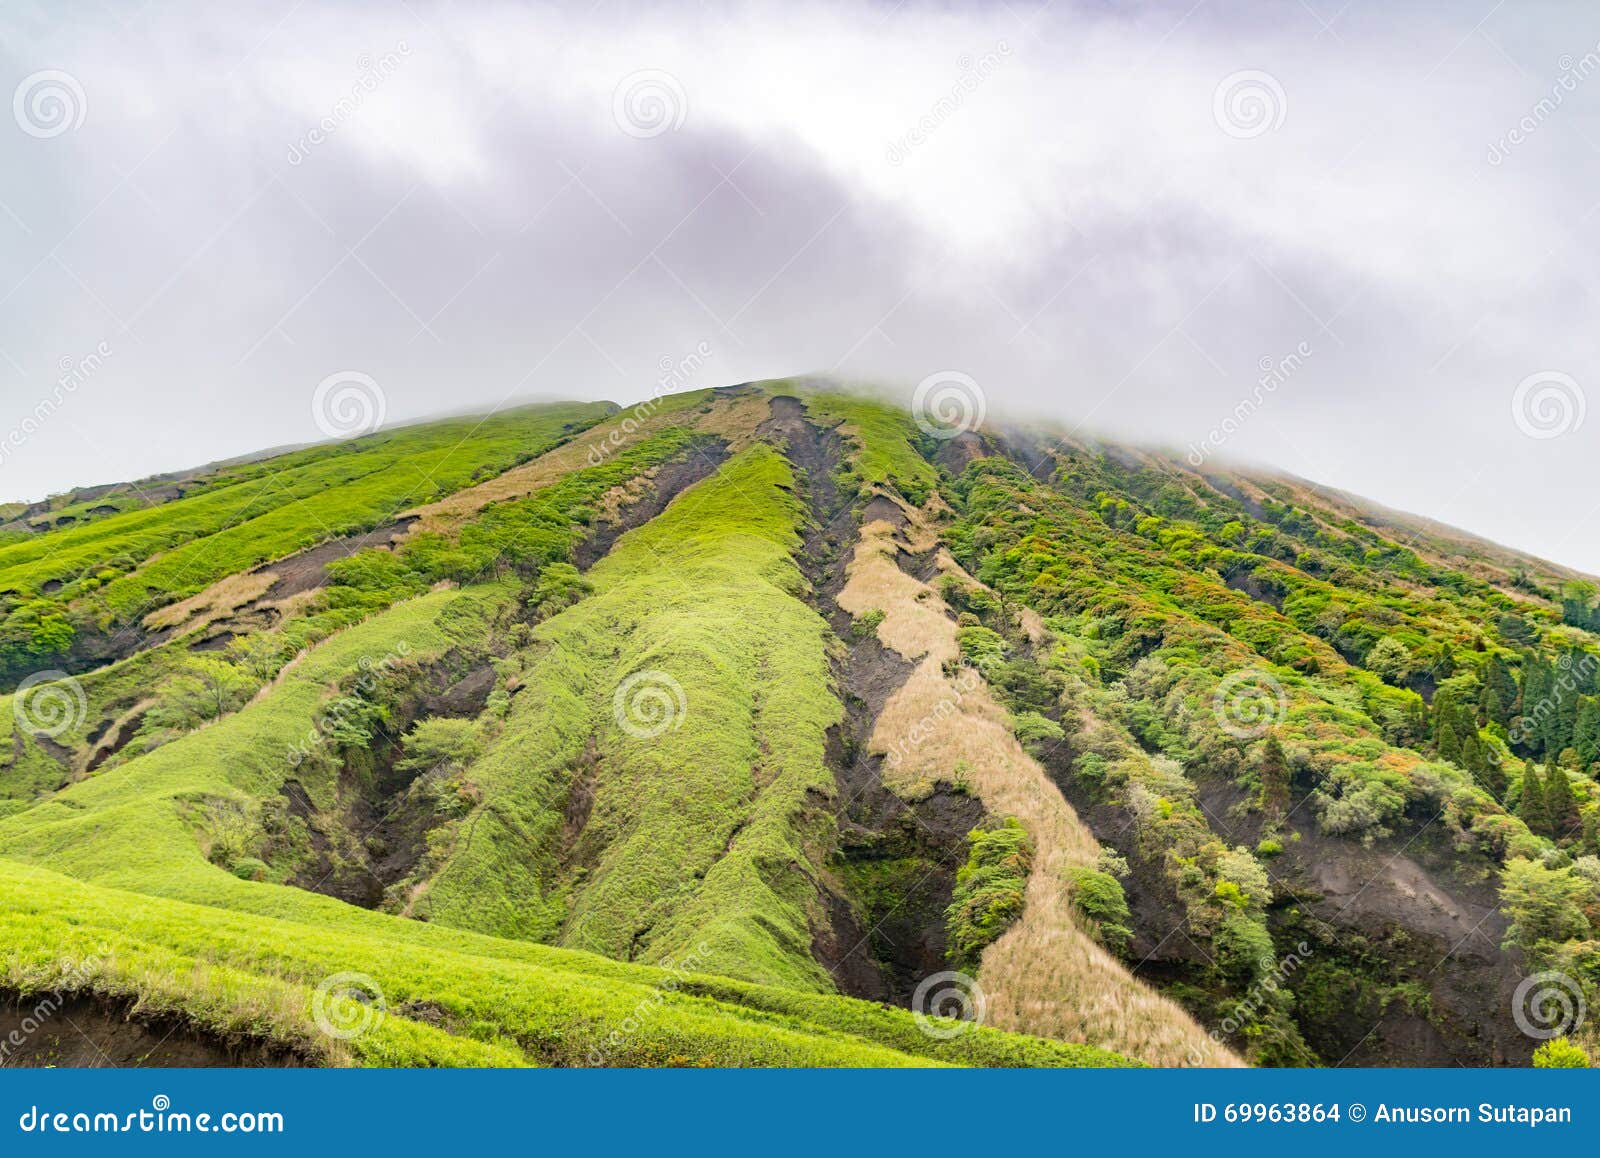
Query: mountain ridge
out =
(777, 681)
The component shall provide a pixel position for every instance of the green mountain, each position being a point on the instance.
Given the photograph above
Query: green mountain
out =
(769, 726)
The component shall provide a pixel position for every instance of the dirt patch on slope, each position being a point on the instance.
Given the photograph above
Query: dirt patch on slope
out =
(667, 481)
(883, 929)
(308, 570)
(85, 1032)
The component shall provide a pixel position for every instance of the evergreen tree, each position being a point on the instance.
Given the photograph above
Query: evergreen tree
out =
(1448, 744)
(1586, 731)
(1591, 831)
(1577, 598)
(1499, 690)
(1561, 807)
(1274, 770)
(1532, 807)
(1477, 758)
(1538, 680)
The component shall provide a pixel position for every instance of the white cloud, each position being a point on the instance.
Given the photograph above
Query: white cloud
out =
(1074, 229)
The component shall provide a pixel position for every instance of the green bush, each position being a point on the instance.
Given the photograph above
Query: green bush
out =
(866, 624)
(1099, 896)
(989, 890)
(1560, 1054)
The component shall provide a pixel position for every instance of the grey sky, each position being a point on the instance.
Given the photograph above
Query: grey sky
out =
(1065, 202)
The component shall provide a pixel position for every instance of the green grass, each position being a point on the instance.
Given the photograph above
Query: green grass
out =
(704, 833)
(452, 999)
(885, 441)
(121, 566)
(129, 826)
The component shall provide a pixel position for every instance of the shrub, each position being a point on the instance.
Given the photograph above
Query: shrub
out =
(1099, 897)
(867, 624)
(981, 646)
(1036, 731)
(1560, 1054)
(989, 889)
(438, 740)
(1544, 904)
(249, 868)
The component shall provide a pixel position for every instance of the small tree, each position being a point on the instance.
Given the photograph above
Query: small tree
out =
(1390, 660)
(1532, 804)
(1561, 807)
(1274, 772)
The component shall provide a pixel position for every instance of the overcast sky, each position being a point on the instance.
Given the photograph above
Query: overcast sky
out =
(1112, 217)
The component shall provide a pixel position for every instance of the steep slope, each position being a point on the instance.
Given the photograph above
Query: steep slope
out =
(698, 715)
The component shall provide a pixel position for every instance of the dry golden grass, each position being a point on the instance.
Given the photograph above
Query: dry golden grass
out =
(218, 601)
(734, 419)
(611, 503)
(1046, 975)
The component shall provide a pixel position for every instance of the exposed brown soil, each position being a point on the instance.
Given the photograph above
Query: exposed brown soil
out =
(876, 943)
(377, 833)
(1393, 914)
(308, 570)
(85, 1032)
(1413, 910)
(669, 481)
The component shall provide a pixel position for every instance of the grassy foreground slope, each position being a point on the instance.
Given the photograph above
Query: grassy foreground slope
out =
(452, 1000)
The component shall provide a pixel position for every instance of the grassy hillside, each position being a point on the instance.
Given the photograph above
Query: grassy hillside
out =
(753, 726)
(108, 574)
